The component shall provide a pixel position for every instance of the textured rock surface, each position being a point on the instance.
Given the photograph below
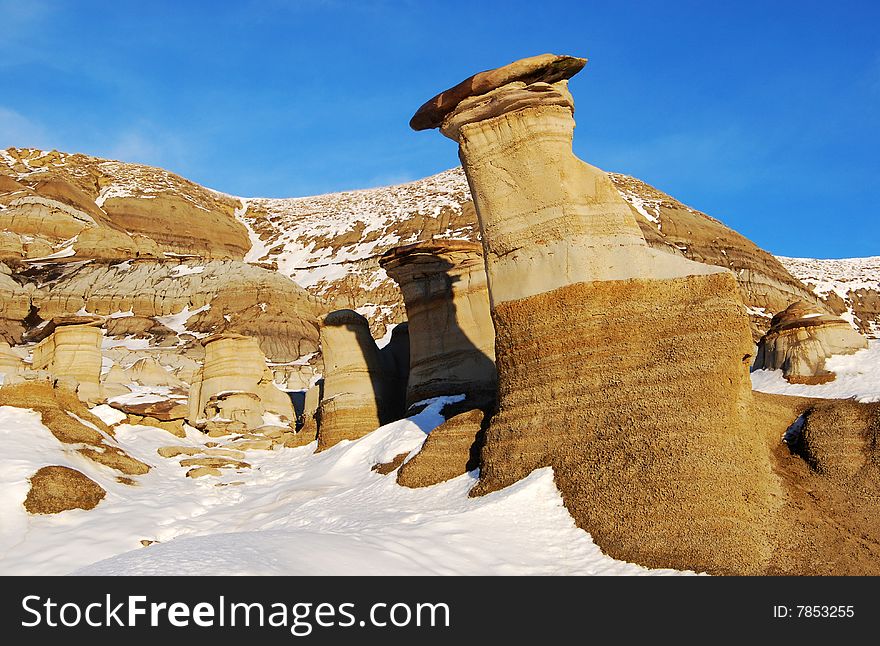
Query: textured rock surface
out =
(355, 399)
(827, 518)
(450, 450)
(801, 338)
(73, 352)
(644, 426)
(193, 298)
(451, 338)
(55, 489)
(119, 210)
(235, 386)
(545, 68)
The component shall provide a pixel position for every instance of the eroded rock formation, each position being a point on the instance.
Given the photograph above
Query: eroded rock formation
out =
(71, 354)
(234, 389)
(623, 367)
(452, 341)
(450, 450)
(355, 398)
(56, 488)
(801, 338)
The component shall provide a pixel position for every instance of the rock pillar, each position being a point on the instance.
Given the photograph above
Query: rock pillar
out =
(452, 341)
(355, 400)
(234, 389)
(623, 368)
(72, 353)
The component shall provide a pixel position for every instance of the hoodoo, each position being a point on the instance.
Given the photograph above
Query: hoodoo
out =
(622, 367)
(451, 338)
(355, 399)
(801, 338)
(234, 388)
(71, 352)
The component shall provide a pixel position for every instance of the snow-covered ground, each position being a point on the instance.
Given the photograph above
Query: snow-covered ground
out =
(858, 377)
(293, 512)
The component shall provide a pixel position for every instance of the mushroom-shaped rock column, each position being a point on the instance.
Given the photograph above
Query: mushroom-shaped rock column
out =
(451, 338)
(801, 338)
(622, 367)
(234, 387)
(355, 400)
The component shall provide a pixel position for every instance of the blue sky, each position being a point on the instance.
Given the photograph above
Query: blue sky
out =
(766, 115)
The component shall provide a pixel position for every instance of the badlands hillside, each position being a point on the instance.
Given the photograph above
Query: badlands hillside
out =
(168, 356)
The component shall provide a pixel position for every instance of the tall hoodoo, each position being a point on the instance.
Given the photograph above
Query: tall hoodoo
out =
(355, 399)
(452, 341)
(622, 367)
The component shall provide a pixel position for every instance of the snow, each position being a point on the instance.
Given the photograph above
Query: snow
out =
(842, 277)
(386, 339)
(143, 395)
(306, 228)
(258, 249)
(128, 342)
(66, 252)
(185, 270)
(839, 276)
(177, 322)
(108, 414)
(858, 377)
(295, 512)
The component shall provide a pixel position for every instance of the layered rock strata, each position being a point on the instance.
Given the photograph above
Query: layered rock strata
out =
(623, 367)
(801, 338)
(355, 398)
(452, 341)
(450, 450)
(72, 354)
(234, 388)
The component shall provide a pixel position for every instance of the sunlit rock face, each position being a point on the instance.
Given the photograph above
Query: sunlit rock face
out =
(801, 338)
(452, 341)
(234, 389)
(71, 354)
(355, 400)
(623, 367)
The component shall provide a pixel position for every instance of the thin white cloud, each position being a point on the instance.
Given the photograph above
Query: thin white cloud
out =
(18, 130)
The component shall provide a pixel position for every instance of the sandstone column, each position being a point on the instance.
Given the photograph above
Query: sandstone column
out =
(622, 367)
(234, 386)
(452, 341)
(354, 401)
(72, 352)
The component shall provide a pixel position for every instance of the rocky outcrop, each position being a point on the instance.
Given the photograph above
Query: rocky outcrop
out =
(112, 210)
(450, 450)
(10, 363)
(55, 489)
(801, 338)
(451, 338)
(72, 355)
(355, 398)
(175, 301)
(849, 287)
(645, 425)
(765, 284)
(72, 424)
(234, 388)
